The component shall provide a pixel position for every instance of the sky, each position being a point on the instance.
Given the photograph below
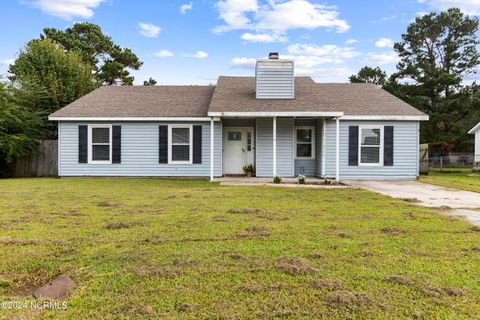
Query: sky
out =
(195, 41)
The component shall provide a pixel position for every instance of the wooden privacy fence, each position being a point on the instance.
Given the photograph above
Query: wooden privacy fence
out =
(43, 163)
(424, 161)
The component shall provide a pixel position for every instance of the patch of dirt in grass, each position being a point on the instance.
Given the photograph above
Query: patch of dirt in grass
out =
(293, 266)
(254, 232)
(475, 248)
(244, 211)
(346, 298)
(19, 242)
(433, 291)
(327, 283)
(344, 235)
(315, 255)
(412, 200)
(392, 231)
(25, 284)
(475, 228)
(365, 253)
(220, 219)
(171, 198)
(75, 213)
(236, 256)
(454, 291)
(404, 280)
(107, 204)
(123, 225)
(186, 307)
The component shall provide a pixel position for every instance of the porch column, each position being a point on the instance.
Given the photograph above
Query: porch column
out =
(324, 131)
(212, 148)
(337, 149)
(274, 146)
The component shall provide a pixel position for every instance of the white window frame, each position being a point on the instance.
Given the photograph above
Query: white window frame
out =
(312, 157)
(90, 143)
(190, 144)
(380, 147)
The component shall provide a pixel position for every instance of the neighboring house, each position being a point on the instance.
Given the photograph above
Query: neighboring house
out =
(476, 131)
(283, 125)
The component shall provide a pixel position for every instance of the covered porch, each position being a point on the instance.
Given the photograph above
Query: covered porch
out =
(279, 145)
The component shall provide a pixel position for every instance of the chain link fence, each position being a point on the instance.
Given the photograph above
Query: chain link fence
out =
(451, 162)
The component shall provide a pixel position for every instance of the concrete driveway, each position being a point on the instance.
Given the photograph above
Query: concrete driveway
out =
(459, 202)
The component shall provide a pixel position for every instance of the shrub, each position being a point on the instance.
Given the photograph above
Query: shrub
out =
(277, 179)
(301, 179)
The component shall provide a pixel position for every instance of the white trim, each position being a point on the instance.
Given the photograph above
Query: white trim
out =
(380, 147)
(90, 148)
(59, 146)
(472, 131)
(324, 132)
(378, 117)
(293, 147)
(132, 118)
(337, 150)
(190, 143)
(312, 157)
(274, 146)
(276, 114)
(212, 155)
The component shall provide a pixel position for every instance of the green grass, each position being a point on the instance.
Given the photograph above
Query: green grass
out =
(149, 248)
(460, 179)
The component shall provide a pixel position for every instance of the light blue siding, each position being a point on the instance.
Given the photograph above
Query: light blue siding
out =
(264, 147)
(405, 152)
(139, 152)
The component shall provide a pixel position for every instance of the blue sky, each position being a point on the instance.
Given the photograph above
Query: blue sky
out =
(195, 41)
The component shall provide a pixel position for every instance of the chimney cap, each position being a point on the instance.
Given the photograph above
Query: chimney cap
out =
(273, 55)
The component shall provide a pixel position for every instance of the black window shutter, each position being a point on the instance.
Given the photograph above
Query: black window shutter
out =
(82, 144)
(197, 144)
(163, 144)
(388, 146)
(116, 144)
(353, 145)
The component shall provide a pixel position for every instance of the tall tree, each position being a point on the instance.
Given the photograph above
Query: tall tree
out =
(150, 82)
(369, 75)
(109, 61)
(45, 64)
(437, 52)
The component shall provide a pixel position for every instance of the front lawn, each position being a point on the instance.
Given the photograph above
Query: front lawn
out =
(150, 248)
(459, 179)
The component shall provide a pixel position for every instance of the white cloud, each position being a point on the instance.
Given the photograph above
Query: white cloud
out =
(199, 55)
(384, 43)
(163, 53)
(351, 41)
(330, 74)
(276, 18)
(68, 9)
(263, 37)
(6, 62)
(186, 7)
(329, 51)
(471, 7)
(149, 30)
(381, 58)
(243, 63)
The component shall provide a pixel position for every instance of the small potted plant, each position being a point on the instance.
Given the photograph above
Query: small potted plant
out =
(301, 179)
(328, 181)
(277, 179)
(249, 170)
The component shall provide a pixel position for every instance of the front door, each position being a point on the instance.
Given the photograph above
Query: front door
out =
(238, 149)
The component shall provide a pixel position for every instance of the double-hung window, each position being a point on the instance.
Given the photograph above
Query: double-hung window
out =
(305, 142)
(371, 145)
(180, 147)
(100, 143)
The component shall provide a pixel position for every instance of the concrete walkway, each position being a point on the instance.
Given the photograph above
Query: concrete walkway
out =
(456, 202)
(312, 182)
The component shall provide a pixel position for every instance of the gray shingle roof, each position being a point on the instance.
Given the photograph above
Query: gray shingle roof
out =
(141, 101)
(235, 94)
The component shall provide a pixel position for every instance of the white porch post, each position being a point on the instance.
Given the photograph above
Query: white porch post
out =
(212, 148)
(337, 149)
(274, 146)
(324, 132)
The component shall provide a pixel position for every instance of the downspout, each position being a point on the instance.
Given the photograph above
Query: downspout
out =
(324, 132)
(337, 149)
(212, 148)
(274, 146)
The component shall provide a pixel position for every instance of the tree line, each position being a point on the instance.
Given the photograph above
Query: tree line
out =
(49, 73)
(437, 53)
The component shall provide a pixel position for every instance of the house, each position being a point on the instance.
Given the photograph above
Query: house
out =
(476, 131)
(281, 124)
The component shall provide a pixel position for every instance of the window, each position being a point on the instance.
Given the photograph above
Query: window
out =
(305, 142)
(180, 144)
(249, 141)
(371, 145)
(100, 143)
(234, 136)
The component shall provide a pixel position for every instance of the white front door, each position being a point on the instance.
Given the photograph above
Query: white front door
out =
(238, 149)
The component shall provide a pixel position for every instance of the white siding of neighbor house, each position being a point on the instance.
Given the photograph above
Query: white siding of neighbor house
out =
(477, 145)
(139, 155)
(264, 147)
(405, 152)
(275, 79)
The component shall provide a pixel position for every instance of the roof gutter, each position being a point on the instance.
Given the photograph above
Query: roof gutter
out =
(131, 118)
(386, 118)
(276, 114)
